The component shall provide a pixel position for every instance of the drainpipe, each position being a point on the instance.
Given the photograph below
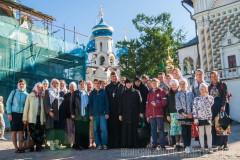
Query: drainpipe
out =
(191, 16)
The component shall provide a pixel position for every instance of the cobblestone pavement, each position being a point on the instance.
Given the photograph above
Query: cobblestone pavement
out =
(7, 152)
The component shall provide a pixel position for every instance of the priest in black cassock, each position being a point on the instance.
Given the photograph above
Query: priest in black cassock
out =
(113, 91)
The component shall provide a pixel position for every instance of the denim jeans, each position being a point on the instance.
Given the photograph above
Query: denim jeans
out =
(100, 130)
(157, 122)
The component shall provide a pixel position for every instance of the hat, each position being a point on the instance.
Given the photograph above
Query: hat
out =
(128, 81)
(1, 98)
(45, 81)
(136, 79)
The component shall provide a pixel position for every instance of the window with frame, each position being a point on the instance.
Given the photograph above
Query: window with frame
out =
(232, 61)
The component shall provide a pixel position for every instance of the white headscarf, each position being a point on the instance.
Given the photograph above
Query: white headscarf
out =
(35, 90)
(53, 93)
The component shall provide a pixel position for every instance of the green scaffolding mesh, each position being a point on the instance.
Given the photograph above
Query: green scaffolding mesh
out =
(33, 53)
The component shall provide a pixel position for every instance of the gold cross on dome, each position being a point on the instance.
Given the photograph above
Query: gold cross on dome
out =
(168, 50)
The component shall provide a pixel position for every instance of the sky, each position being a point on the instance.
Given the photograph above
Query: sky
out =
(117, 13)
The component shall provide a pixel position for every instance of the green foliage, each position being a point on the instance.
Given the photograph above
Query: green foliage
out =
(148, 53)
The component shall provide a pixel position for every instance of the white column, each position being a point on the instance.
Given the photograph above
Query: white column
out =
(205, 39)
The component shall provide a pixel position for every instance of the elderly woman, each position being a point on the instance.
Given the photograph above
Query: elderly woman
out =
(79, 112)
(15, 106)
(218, 89)
(184, 104)
(34, 115)
(51, 107)
(171, 113)
(45, 85)
(69, 129)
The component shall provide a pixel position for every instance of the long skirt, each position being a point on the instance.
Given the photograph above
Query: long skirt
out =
(70, 131)
(216, 108)
(37, 132)
(129, 135)
(55, 133)
(81, 133)
(176, 128)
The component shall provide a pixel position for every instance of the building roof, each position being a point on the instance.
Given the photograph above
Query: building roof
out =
(101, 29)
(23, 8)
(190, 43)
(189, 2)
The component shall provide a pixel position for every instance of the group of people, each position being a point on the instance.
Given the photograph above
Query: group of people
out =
(106, 116)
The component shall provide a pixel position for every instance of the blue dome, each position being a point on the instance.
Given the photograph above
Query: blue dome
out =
(121, 51)
(91, 45)
(102, 29)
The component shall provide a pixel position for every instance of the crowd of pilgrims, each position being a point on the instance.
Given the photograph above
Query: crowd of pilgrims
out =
(100, 115)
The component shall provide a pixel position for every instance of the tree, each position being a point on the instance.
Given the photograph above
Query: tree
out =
(148, 53)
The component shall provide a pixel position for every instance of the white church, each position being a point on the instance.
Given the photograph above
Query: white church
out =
(217, 45)
(102, 60)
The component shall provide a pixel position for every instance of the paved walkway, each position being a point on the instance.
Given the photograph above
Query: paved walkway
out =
(7, 152)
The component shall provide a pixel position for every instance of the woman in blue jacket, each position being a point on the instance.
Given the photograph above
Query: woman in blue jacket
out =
(15, 106)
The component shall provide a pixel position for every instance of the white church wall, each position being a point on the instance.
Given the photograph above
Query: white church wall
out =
(234, 88)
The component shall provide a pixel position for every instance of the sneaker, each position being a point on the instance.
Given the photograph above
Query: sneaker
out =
(210, 151)
(187, 150)
(57, 146)
(3, 139)
(105, 147)
(221, 148)
(52, 148)
(191, 149)
(99, 147)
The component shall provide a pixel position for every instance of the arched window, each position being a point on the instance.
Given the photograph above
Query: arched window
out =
(101, 46)
(112, 61)
(102, 60)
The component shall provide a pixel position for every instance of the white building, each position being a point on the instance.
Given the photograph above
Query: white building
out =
(218, 28)
(100, 54)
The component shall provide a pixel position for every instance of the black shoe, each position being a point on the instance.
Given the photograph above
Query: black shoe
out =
(31, 150)
(68, 146)
(221, 148)
(225, 148)
(99, 148)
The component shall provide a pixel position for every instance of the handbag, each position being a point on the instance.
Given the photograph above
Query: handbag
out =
(143, 132)
(224, 120)
(194, 131)
(220, 131)
(28, 143)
